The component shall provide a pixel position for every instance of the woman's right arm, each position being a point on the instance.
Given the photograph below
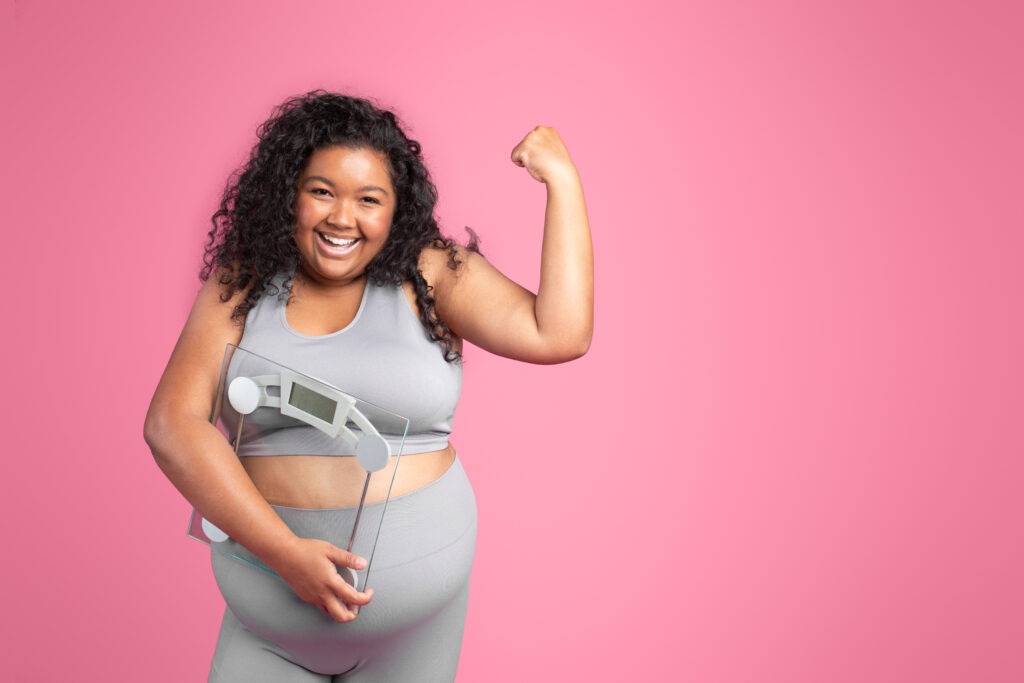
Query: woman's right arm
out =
(200, 463)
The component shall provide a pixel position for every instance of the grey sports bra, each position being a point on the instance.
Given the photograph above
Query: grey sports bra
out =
(383, 357)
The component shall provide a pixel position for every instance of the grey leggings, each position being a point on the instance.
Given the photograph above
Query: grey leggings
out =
(410, 631)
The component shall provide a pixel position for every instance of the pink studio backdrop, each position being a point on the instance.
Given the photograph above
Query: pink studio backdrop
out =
(794, 451)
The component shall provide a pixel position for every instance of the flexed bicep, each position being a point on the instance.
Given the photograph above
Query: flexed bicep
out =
(486, 308)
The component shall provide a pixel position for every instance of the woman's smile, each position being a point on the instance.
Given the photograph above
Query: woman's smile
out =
(337, 246)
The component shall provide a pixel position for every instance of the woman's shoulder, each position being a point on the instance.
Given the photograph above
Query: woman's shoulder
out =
(442, 266)
(223, 303)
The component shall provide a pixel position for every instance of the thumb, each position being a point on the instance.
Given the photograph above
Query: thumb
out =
(519, 156)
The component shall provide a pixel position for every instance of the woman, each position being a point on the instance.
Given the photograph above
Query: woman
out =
(325, 252)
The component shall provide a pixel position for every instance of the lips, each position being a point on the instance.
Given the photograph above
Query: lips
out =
(336, 246)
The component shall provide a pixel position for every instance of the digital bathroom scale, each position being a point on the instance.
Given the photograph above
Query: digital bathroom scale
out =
(265, 408)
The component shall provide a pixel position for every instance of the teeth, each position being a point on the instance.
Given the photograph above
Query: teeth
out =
(338, 242)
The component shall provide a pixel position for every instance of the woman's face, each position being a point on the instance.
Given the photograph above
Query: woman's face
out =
(343, 209)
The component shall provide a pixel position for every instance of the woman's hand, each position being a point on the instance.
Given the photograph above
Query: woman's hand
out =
(309, 567)
(543, 154)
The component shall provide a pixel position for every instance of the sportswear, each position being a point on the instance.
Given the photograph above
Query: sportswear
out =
(384, 357)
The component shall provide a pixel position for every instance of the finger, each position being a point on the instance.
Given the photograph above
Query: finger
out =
(337, 610)
(519, 154)
(346, 593)
(354, 608)
(344, 558)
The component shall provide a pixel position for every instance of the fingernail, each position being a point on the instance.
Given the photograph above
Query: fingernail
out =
(360, 563)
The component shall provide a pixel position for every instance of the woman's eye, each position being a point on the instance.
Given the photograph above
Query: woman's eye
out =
(371, 200)
(320, 192)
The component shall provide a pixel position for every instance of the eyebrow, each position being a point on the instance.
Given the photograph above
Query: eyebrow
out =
(364, 188)
(319, 178)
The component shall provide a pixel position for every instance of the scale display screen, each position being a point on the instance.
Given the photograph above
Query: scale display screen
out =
(313, 403)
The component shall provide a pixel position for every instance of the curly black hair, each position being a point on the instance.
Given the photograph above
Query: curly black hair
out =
(252, 238)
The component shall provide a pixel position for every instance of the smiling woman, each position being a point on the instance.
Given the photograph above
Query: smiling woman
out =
(343, 213)
(325, 256)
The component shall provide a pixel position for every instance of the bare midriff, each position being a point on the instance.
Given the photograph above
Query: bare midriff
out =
(318, 482)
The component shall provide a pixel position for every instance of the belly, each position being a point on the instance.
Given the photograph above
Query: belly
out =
(318, 482)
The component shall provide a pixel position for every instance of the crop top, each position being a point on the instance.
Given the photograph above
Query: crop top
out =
(383, 357)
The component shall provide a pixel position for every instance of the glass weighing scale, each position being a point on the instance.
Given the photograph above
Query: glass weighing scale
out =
(265, 408)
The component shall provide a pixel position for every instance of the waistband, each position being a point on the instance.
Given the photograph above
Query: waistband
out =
(298, 440)
(414, 524)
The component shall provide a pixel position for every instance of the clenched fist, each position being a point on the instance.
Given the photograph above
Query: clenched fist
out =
(543, 154)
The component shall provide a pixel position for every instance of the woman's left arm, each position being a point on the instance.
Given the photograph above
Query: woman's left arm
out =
(486, 308)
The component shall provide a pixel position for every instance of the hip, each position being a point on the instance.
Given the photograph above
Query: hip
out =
(422, 562)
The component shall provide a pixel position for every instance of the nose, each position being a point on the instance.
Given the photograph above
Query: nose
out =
(342, 215)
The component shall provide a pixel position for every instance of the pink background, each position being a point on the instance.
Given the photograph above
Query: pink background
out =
(794, 450)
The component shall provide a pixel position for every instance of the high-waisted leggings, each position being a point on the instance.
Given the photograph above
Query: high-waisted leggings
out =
(410, 631)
